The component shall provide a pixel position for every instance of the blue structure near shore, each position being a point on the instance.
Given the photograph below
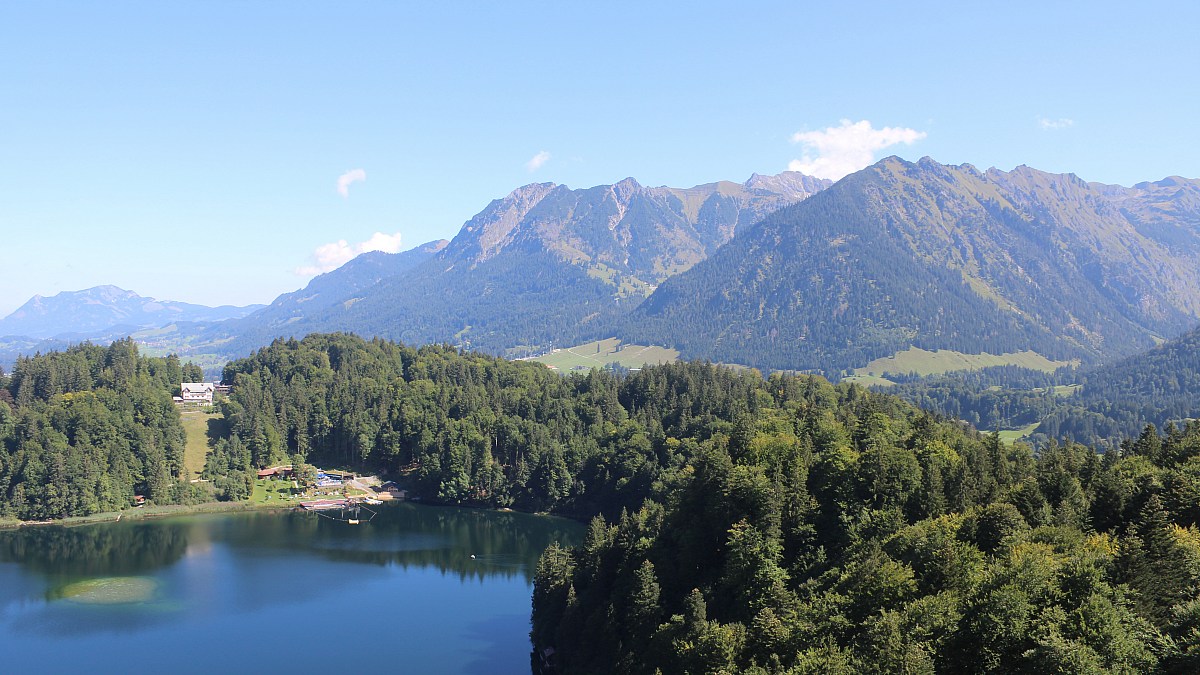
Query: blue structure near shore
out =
(325, 480)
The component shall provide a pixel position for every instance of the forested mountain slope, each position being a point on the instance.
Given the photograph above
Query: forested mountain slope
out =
(1159, 387)
(921, 254)
(1100, 405)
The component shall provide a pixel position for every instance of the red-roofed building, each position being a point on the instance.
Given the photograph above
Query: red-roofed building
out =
(281, 470)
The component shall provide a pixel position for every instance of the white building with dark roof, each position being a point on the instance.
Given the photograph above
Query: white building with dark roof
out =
(196, 392)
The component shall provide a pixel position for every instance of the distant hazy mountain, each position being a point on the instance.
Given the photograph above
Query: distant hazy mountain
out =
(921, 254)
(79, 315)
(544, 263)
(288, 314)
(361, 273)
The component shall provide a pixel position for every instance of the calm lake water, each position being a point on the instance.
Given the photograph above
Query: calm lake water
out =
(273, 592)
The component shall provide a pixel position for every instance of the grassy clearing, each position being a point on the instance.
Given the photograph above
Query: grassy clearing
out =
(1059, 390)
(922, 362)
(1010, 436)
(273, 492)
(626, 285)
(196, 424)
(603, 352)
(869, 380)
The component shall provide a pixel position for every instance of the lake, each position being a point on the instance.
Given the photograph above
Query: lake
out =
(276, 591)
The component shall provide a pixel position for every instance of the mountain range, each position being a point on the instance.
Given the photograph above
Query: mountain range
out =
(942, 257)
(545, 264)
(779, 272)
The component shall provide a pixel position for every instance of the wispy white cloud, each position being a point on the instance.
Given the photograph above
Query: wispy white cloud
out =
(328, 257)
(537, 161)
(836, 151)
(351, 176)
(1052, 125)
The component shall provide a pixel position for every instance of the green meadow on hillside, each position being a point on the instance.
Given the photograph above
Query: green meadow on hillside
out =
(924, 362)
(603, 352)
(195, 425)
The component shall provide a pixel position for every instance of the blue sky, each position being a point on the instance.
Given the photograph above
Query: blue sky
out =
(142, 144)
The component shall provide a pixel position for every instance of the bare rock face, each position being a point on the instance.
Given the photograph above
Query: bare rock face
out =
(791, 185)
(633, 235)
(492, 229)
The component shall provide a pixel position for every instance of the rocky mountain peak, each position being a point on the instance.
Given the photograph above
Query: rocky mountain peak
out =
(625, 189)
(433, 246)
(491, 229)
(528, 195)
(790, 184)
(1169, 181)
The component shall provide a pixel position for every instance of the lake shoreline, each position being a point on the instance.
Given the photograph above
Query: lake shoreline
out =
(169, 510)
(145, 513)
(152, 512)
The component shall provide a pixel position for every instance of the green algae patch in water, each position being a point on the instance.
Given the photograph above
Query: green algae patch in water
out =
(108, 591)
